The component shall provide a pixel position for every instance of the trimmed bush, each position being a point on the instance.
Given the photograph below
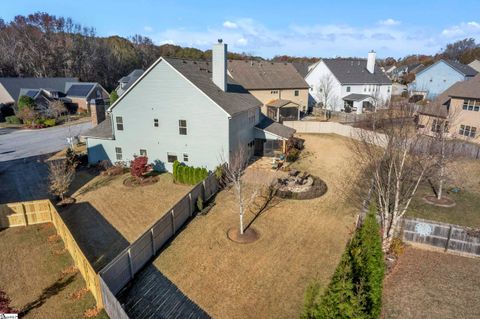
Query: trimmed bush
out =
(188, 174)
(13, 120)
(355, 290)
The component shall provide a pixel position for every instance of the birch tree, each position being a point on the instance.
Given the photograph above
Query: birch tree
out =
(394, 160)
(325, 92)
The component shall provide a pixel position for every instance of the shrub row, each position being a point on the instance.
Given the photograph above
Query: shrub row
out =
(13, 120)
(188, 174)
(355, 290)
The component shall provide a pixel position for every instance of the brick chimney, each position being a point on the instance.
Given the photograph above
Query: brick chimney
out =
(219, 65)
(97, 111)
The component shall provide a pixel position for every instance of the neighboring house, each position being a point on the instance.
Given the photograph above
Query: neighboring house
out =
(475, 64)
(271, 81)
(81, 94)
(398, 73)
(349, 84)
(42, 97)
(10, 87)
(436, 78)
(459, 107)
(188, 111)
(127, 81)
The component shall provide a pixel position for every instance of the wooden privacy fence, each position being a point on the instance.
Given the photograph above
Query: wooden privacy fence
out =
(42, 211)
(122, 269)
(449, 237)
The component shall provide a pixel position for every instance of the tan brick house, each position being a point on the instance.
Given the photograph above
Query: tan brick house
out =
(81, 94)
(457, 111)
(270, 82)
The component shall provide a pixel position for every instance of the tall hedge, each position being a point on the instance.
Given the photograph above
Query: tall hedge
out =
(355, 290)
(188, 174)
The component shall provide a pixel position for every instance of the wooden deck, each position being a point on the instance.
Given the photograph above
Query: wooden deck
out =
(152, 295)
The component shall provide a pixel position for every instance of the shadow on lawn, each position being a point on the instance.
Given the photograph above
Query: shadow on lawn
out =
(47, 293)
(99, 241)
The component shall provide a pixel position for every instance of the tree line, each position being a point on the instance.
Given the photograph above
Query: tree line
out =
(44, 45)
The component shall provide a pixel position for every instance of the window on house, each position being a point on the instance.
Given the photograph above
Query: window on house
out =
(296, 92)
(348, 89)
(467, 130)
(182, 127)
(155, 122)
(185, 157)
(171, 157)
(438, 124)
(274, 92)
(118, 153)
(119, 121)
(143, 152)
(388, 89)
(251, 116)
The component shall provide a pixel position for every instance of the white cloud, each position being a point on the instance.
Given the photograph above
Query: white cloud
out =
(389, 22)
(230, 25)
(148, 28)
(325, 40)
(464, 29)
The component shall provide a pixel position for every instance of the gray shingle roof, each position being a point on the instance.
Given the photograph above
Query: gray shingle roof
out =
(130, 79)
(237, 99)
(102, 130)
(354, 71)
(14, 85)
(356, 97)
(269, 125)
(462, 68)
(263, 75)
(302, 68)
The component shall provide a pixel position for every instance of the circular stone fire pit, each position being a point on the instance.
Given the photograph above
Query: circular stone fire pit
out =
(300, 185)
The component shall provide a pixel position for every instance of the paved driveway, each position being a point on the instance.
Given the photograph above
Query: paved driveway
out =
(23, 173)
(15, 144)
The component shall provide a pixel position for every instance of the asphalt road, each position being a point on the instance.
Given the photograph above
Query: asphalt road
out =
(16, 143)
(23, 171)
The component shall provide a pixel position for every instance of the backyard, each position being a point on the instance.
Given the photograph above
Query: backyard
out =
(427, 284)
(108, 215)
(464, 174)
(299, 241)
(36, 273)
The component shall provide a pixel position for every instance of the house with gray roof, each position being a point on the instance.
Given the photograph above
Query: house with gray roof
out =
(436, 78)
(184, 110)
(271, 81)
(349, 84)
(10, 88)
(127, 81)
(80, 95)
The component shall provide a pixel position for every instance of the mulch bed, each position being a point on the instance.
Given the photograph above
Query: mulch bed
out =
(134, 182)
(249, 235)
(443, 202)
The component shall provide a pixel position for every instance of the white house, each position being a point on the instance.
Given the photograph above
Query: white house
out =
(349, 84)
(185, 110)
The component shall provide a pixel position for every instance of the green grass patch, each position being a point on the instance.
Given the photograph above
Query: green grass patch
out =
(466, 212)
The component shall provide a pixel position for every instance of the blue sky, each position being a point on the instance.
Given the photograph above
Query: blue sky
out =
(268, 28)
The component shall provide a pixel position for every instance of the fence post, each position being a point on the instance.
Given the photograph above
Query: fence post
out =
(172, 213)
(153, 242)
(191, 204)
(130, 263)
(448, 238)
(25, 217)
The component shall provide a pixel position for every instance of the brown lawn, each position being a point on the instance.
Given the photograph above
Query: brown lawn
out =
(428, 284)
(31, 274)
(109, 215)
(299, 241)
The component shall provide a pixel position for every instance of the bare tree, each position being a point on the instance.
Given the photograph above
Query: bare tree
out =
(233, 173)
(58, 108)
(60, 176)
(394, 159)
(325, 92)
